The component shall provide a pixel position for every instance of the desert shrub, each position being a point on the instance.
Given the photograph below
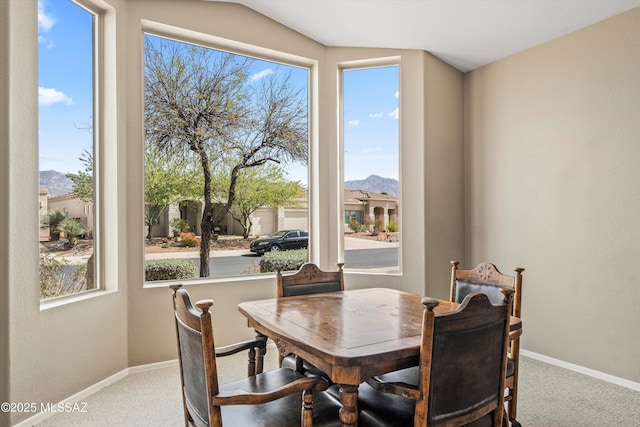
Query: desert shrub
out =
(392, 226)
(54, 281)
(189, 239)
(369, 223)
(355, 225)
(169, 269)
(179, 225)
(287, 260)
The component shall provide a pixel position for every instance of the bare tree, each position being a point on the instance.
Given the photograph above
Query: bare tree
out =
(202, 102)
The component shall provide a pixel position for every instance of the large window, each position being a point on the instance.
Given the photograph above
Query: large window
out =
(67, 143)
(371, 168)
(226, 150)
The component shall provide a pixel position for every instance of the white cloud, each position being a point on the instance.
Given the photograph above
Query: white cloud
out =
(50, 96)
(45, 21)
(376, 115)
(261, 74)
(397, 94)
(353, 122)
(395, 113)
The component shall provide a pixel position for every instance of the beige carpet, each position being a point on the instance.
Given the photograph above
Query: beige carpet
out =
(549, 397)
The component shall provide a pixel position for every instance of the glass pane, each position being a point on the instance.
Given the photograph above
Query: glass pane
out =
(226, 150)
(66, 147)
(371, 168)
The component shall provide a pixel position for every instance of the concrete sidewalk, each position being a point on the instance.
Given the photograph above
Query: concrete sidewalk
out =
(358, 243)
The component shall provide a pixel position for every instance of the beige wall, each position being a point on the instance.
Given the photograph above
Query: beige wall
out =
(5, 200)
(553, 185)
(52, 351)
(443, 169)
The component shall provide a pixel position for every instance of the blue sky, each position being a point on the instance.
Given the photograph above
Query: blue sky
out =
(371, 123)
(64, 84)
(65, 99)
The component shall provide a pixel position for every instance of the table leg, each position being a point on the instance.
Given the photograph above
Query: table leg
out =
(349, 400)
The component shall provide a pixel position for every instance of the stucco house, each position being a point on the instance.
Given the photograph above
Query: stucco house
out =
(370, 209)
(75, 208)
(367, 207)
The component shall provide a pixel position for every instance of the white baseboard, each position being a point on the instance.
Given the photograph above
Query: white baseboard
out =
(152, 366)
(82, 395)
(582, 370)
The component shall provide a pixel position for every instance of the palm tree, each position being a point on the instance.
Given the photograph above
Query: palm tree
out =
(53, 219)
(72, 229)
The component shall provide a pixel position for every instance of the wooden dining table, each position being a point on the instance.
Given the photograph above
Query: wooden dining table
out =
(350, 335)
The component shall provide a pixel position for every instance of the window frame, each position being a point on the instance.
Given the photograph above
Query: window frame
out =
(235, 47)
(363, 64)
(103, 56)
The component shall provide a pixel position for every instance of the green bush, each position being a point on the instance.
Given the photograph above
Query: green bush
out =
(392, 226)
(287, 260)
(179, 225)
(170, 269)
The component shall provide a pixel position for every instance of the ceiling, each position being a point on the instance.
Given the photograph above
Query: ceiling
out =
(464, 33)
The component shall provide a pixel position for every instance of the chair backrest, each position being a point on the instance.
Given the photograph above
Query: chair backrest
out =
(196, 353)
(463, 361)
(486, 279)
(309, 280)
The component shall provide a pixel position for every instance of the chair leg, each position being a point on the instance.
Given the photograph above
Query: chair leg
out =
(512, 411)
(512, 407)
(508, 415)
(505, 418)
(307, 409)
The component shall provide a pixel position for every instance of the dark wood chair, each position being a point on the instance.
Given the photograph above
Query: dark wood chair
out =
(282, 397)
(309, 279)
(461, 372)
(487, 279)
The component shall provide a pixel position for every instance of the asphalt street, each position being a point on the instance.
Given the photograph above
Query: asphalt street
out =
(360, 254)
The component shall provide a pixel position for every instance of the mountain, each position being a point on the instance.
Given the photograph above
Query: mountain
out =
(56, 182)
(374, 183)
